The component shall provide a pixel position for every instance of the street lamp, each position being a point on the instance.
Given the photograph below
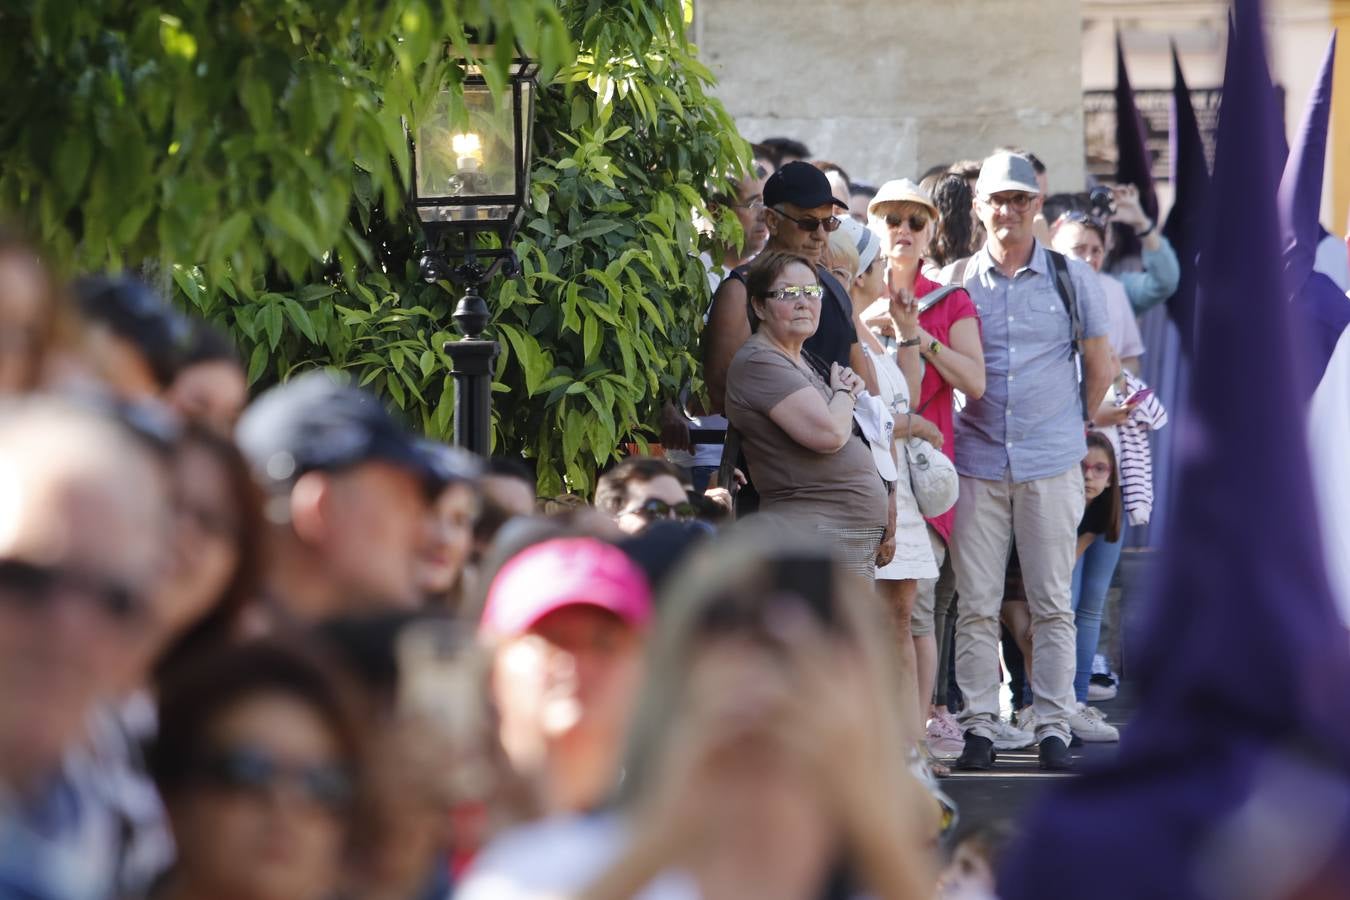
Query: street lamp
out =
(471, 177)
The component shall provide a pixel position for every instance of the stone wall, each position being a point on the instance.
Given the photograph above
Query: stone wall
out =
(887, 88)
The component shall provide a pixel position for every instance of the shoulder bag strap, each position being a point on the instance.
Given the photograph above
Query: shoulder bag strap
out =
(1067, 294)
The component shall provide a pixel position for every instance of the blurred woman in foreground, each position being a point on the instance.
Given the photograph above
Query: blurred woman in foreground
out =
(771, 667)
(258, 761)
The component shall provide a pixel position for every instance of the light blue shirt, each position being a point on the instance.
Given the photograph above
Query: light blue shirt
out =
(1030, 419)
(1158, 280)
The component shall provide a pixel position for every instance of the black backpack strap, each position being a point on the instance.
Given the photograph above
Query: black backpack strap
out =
(1069, 296)
(933, 298)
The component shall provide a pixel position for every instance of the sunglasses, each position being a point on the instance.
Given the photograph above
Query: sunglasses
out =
(796, 292)
(255, 771)
(917, 221)
(654, 509)
(34, 586)
(1101, 470)
(755, 205)
(811, 223)
(1018, 202)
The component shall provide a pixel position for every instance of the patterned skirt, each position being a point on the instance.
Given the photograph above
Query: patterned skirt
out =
(856, 547)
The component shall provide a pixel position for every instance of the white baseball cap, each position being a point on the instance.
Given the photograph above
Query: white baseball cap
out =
(1006, 172)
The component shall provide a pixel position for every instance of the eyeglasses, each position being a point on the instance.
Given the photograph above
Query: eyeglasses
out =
(844, 275)
(811, 223)
(756, 204)
(34, 586)
(796, 292)
(1100, 470)
(917, 221)
(1018, 201)
(654, 509)
(256, 771)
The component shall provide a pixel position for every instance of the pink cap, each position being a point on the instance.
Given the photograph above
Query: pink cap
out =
(564, 572)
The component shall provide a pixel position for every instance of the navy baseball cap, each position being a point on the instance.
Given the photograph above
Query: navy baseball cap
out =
(801, 184)
(321, 421)
(453, 464)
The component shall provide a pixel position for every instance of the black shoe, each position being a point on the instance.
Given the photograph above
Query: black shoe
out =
(1075, 741)
(977, 756)
(1054, 755)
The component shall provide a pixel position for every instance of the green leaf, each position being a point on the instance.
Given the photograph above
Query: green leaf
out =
(271, 317)
(592, 338)
(256, 96)
(257, 363)
(300, 319)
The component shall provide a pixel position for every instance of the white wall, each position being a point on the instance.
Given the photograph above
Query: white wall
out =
(887, 88)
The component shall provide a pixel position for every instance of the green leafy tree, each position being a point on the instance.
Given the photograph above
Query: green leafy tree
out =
(251, 156)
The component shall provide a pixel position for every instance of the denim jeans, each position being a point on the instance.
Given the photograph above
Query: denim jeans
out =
(1091, 580)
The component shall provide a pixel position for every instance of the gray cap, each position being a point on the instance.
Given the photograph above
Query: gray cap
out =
(321, 421)
(1006, 172)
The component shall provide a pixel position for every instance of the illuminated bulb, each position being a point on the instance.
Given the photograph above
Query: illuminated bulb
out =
(468, 151)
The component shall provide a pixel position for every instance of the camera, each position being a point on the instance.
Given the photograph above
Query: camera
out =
(1101, 203)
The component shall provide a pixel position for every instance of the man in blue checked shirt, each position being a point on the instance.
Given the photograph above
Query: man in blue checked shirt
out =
(1019, 450)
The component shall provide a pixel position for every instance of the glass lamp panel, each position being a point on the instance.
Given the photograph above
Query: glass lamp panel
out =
(467, 152)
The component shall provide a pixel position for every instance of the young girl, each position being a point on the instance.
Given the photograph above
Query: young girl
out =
(1101, 518)
(1101, 490)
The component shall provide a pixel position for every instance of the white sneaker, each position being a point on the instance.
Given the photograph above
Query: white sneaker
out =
(1099, 692)
(1008, 736)
(1090, 725)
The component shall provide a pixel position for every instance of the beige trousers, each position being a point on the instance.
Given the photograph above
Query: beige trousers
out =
(1043, 517)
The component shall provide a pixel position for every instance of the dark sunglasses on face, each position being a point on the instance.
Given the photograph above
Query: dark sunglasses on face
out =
(256, 771)
(811, 223)
(917, 221)
(35, 586)
(654, 509)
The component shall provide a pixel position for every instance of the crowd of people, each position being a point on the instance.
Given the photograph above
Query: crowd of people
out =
(282, 646)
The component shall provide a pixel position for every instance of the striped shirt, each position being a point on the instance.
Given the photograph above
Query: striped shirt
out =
(1135, 456)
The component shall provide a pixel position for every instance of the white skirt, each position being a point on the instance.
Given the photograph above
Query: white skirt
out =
(913, 551)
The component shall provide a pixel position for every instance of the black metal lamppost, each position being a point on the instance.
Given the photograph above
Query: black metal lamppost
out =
(471, 176)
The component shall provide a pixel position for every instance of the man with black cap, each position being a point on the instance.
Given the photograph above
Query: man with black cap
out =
(349, 495)
(800, 214)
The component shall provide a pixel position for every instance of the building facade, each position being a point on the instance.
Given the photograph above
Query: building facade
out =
(887, 88)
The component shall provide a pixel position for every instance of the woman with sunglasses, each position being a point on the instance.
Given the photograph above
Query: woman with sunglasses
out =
(946, 334)
(806, 459)
(258, 760)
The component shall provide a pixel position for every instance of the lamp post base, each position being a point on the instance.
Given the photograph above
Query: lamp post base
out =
(473, 364)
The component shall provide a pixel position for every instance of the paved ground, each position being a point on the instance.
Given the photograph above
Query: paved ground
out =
(1015, 781)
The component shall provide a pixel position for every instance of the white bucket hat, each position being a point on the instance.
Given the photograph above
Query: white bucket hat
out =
(902, 190)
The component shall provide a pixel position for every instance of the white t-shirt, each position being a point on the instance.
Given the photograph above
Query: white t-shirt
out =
(1333, 261)
(556, 859)
(1124, 328)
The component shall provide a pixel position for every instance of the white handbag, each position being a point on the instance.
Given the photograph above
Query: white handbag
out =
(932, 476)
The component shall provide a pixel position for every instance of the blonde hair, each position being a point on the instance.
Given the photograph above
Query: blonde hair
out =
(735, 572)
(842, 253)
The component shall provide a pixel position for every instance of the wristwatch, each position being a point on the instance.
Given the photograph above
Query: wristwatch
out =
(934, 347)
(912, 342)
